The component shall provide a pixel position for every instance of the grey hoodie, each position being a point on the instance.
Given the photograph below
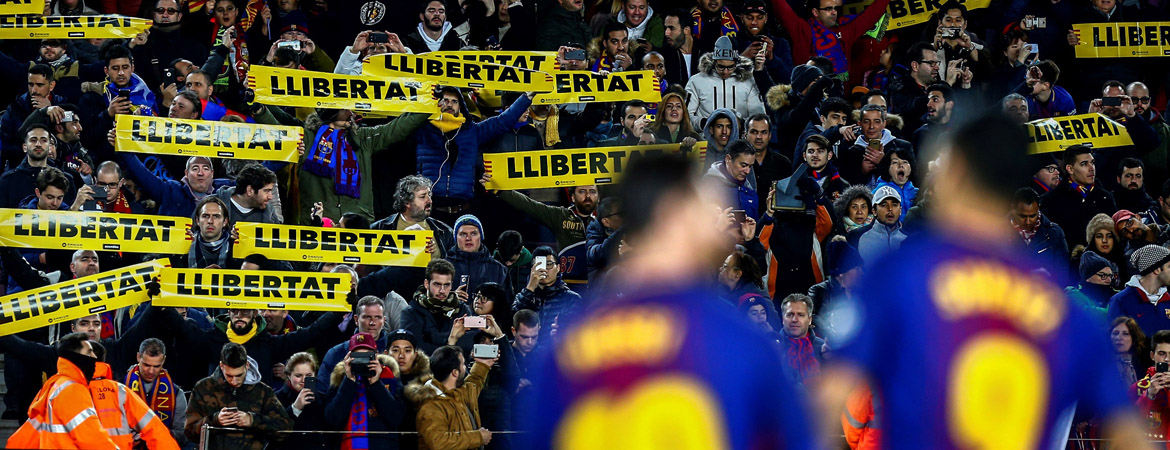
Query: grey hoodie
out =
(714, 153)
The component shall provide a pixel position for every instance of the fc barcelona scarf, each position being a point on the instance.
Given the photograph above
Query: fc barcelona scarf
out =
(162, 397)
(801, 357)
(727, 25)
(603, 63)
(332, 156)
(358, 422)
(827, 43)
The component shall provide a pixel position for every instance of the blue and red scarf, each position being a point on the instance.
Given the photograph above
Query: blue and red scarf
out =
(359, 414)
(801, 356)
(727, 25)
(827, 43)
(161, 399)
(332, 156)
(1083, 190)
(603, 63)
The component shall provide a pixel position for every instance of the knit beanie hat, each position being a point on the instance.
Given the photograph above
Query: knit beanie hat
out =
(468, 219)
(1099, 222)
(1149, 258)
(1091, 263)
(723, 49)
(803, 76)
(842, 258)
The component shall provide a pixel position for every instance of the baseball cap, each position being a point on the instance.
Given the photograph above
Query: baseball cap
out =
(885, 192)
(362, 340)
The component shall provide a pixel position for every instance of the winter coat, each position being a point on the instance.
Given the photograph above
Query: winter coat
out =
(559, 27)
(311, 418)
(1065, 206)
(18, 183)
(336, 354)
(518, 272)
(523, 139)
(879, 240)
(448, 419)
(1049, 245)
(383, 409)
(908, 99)
(444, 236)
(365, 141)
(714, 153)
(450, 159)
(549, 302)
(743, 194)
(1092, 298)
(478, 267)
(10, 123)
(791, 111)
(850, 160)
(707, 91)
(174, 198)
(1134, 302)
(213, 393)
(600, 247)
(431, 328)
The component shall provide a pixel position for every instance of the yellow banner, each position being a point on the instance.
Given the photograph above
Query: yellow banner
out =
(292, 87)
(165, 136)
(589, 87)
(905, 13)
(85, 230)
(571, 167)
(73, 299)
(539, 61)
(1122, 39)
(335, 245)
(22, 7)
(71, 27)
(457, 72)
(1059, 133)
(253, 289)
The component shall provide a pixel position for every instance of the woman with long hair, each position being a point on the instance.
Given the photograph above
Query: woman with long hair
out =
(673, 122)
(1131, 345)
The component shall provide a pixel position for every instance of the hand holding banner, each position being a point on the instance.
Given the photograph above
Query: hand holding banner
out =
(457, 72)
(85, 230)
(1058, 133)
(588, 87)
(336, 245)
(254, 289)
(905, 13)
(165, 136)
(12, 7)
(571, 167)
(292, 87)
(85, 296)
(71, 27)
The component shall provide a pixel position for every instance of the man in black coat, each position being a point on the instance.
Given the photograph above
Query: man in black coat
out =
(1077, 199)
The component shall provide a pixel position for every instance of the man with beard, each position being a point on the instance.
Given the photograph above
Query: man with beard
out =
(249, 198)
(412, 200)
(1130, 227)
(940, 106)
(20, 182)
(677, 47)
(434, 31)
(1130, 192)
(1144, 107)
(908, 92)
(1076, 200)
(435, 309)
(40, 94)
(450, 402)
(567, 224)
(1039, 236)
(1143, 135)
(70, 154)
(563, 24)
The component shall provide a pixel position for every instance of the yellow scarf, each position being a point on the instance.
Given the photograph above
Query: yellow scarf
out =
(447, 123)
(552, 126)
(242, 338)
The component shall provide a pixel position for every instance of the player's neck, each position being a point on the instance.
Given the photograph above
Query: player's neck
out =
(665, 262)
(973, 217)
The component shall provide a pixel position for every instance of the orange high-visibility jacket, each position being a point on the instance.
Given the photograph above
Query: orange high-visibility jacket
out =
(123, 413)
(860, 421)
(62, 415)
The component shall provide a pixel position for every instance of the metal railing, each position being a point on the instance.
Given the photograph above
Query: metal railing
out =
(205, 433)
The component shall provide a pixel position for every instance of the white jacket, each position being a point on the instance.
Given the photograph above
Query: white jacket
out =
(706, 91)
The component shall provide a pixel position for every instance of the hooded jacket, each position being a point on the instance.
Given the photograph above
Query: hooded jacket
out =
(213, 393)
(479, 267)
(714, 152)
(1151, 310)
(707, 91)
(448, 419)
(64, 402)
(450, 159)
(744, 193)
(652, 27)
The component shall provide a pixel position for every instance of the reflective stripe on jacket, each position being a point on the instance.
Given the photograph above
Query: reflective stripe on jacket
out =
(62, 415)
(125, 415)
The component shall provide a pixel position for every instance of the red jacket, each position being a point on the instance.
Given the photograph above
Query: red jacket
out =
(800, 30)
(1157, 410)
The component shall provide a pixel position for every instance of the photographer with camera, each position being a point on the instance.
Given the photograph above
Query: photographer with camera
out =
(961, 52)
(368, 398)
(1115, 104)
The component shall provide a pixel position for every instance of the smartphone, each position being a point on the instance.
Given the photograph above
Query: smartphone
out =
(641, 41)
(1032, 48)
(1162, 367)
(1040, 22)
(169, 77)
(1111, 101)
(575, 55)
(295, 45)
(463, 279)
(124, 93)
(379, 38)
(739, 215)
(68, 117)
(230, 410)
(540, 263)
(875, 144)
(951, 32)
(310, 382)
(99, 193)
(485, 351)
(474, 322)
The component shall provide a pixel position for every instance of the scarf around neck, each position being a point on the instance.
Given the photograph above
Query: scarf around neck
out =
(332, 156)
(434, 44)
(727, 25)
(827, 43)
(358, 421)
(801, 357)
(447, 123)
(241, 338)
(161, 397)
(220, 249)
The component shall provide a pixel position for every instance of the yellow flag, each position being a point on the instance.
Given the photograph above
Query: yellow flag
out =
(588, 87)
(9, 7)
(905, 13)
(1059, 133)
(1122, 39)
(457, 72)
(99, 231)
(335, 245)
(540, 61)
(571, 167)
(292, 87)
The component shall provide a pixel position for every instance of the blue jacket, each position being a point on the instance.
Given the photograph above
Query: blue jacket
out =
(600, 246)
(450, 160)
(1049, 245)
(479, 267)
(743, 195)
(909, 193)
(1133, 302)
(549, 302)
(174, 197)
(335, 355)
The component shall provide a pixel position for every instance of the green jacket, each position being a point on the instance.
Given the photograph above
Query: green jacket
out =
(1086, 303)
(568, 226)
(366, 141)
(560, 27)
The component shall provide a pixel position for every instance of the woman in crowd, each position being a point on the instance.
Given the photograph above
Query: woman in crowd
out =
(740, 276)
(853, 207)
(673, 122)
(491, 300)
(305, 407)
(1102, 239)
(1130, 344)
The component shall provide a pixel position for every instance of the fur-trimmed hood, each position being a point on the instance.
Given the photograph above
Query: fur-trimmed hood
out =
(777, 96)
(421, 389)
(743, 66)
(841, 205)
(892, 120)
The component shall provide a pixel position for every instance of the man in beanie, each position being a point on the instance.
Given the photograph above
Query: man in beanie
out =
(1131, 227)
(1095, 288)
(826, 33)
(63, 415)
(844, 267)
(1039, 236)
(435, 309)
(1047, 176)
(473, 263)
(726, 80)
(1145, 297)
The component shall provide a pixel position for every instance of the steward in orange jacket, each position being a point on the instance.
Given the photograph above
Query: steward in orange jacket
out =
(62, 415)
(859, 420)
(125, 415)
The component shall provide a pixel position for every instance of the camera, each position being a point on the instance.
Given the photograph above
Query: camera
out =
(952, 32)
(1036, 22)
(359, 363)
(793, 195)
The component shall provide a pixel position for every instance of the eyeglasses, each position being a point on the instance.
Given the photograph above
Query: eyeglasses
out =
(830, 8)
(168, 11)
(108, 186)
(1104, 275)
(1142, 99)
(933, 63)
(1051, 169)
(723, 68)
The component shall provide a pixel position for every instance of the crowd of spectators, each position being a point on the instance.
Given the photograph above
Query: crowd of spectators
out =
(819, 128)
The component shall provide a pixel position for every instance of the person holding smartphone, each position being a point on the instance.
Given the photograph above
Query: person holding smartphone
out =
(546, 294)
(233, 396)
(303, 404)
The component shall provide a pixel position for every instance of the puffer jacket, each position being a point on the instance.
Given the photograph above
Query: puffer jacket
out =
(707, 92)
(478, 267)
(213, 393)
(715, 154)
(450, 159)
(549, 302)
(448, 419)
(366, 141)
